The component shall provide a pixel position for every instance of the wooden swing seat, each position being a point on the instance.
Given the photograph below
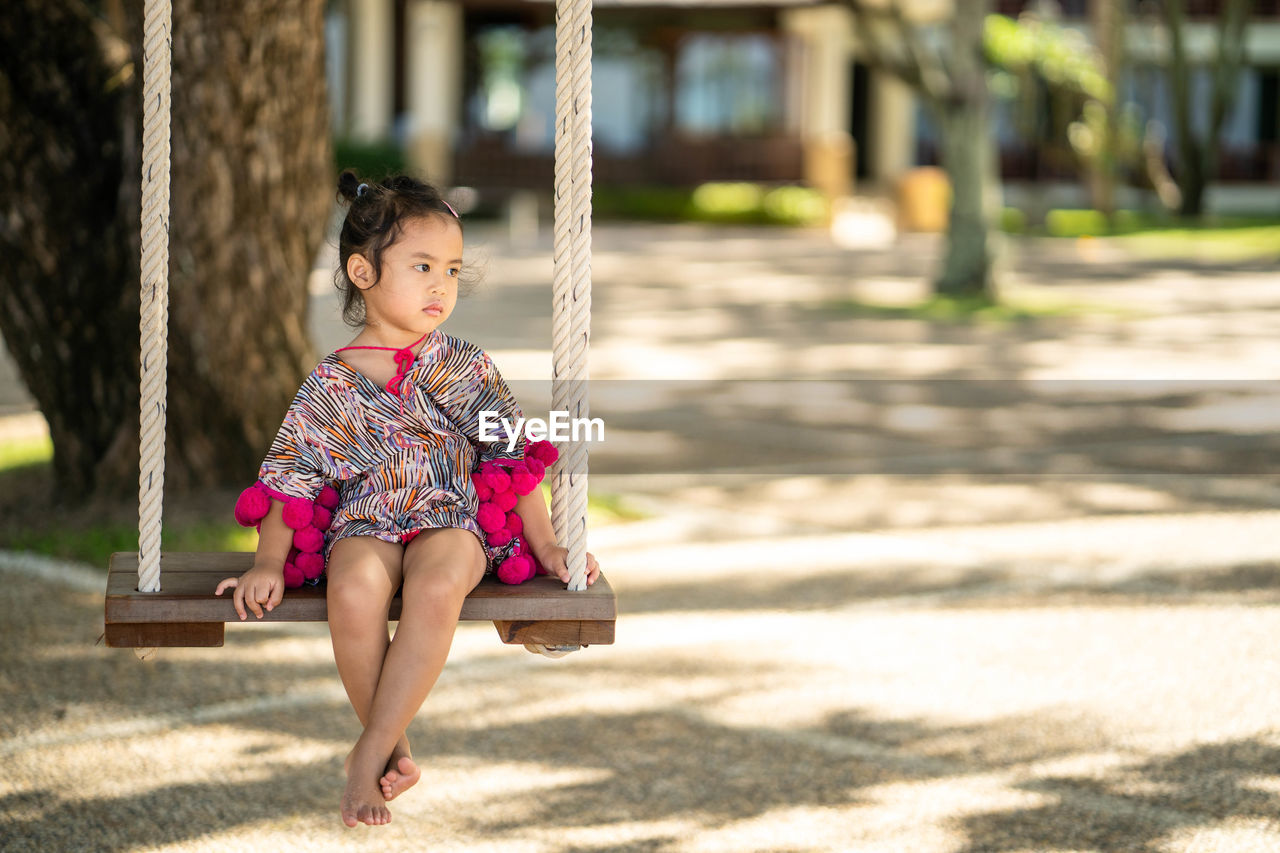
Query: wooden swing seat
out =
(185, 612)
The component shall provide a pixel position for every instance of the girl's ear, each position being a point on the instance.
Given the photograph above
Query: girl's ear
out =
(360, 271)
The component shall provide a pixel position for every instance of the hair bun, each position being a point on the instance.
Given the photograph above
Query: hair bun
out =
(349, 185)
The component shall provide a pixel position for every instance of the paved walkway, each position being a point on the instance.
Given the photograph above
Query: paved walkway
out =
(952, 592)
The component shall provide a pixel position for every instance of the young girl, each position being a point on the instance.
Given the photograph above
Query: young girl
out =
(393, 422)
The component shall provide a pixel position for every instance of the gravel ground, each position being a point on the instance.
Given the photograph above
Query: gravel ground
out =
(917, 645)
(924, 701)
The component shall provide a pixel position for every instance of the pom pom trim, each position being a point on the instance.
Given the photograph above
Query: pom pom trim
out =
(499, 484)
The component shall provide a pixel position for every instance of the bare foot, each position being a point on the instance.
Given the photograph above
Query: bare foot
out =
(362, 800)
(402, 774)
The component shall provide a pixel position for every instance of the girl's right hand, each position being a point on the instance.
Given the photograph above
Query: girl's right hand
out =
(258, 589)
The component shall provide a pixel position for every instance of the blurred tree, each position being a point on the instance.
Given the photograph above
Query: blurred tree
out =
(1196, 155)
(951, 81)
(1037, 59)
(1107, 19)
(251, 196)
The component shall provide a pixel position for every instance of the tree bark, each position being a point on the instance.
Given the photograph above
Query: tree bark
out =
(251, 193)
(969, 158)
(67, 234)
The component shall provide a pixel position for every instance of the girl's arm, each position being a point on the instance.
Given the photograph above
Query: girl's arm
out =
(264, 583)
(541, 538)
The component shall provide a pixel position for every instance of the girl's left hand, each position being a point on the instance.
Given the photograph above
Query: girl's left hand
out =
(556, 561)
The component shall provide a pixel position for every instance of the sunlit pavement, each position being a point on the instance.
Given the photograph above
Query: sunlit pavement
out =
(1032, 616)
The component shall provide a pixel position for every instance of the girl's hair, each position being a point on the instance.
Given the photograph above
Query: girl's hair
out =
(375, 217)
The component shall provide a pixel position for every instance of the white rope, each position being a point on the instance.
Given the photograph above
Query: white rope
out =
(154, 319)
(571, 290)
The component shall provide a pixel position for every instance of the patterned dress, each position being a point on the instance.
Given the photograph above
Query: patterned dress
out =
(401, 462)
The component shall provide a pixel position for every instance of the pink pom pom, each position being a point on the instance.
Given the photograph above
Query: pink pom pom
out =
(252, 506)
(321, 518)
(490, 518)
(498, 538)
(514, 523)
(522, 480)
(505, 501)
(536, 468)
(293, 576)
(328, 497)
(496, 478)
(311, 565)
(544, 451)
(483, 492)
(297, 513)
(309, 540)
(515, 570)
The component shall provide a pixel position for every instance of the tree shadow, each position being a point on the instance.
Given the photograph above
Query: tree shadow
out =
(168, 814)
(1137, 808)
(675, 760)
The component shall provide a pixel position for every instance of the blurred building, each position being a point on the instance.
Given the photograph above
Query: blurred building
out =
(687, 91)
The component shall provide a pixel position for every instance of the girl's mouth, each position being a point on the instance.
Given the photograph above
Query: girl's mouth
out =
(435, 309)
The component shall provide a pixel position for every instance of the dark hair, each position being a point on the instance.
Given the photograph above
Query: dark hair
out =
(376, 215)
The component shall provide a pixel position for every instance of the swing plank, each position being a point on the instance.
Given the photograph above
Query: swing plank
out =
(185, 612)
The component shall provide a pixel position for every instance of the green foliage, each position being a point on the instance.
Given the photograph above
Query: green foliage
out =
(795, 206)
(369, 159)
(721, 203)
(1013, 221)
(1032, 59)
(1158, 235)
(660, 204)
(1090, 223)
(1062, 57)
(25, 451)
(95, 543)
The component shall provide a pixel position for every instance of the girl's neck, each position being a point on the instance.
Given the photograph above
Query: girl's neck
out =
(373, 337)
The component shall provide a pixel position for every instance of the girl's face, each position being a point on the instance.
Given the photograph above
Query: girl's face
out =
(419, 284)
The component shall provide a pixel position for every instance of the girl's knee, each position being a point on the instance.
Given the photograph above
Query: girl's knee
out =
(358, 594)
(348, 601)
(441, 588)
(443, 570)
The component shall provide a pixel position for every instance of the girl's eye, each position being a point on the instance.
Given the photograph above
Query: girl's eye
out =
(422, 267)
(453, 271)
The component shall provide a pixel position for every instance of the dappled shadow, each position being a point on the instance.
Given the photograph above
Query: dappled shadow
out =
(990, 584)
(1137, 808)
(46, 819)
(815, 591)
(675, 754)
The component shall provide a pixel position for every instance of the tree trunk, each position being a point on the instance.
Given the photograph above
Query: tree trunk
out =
(1107, 18)
(1198, 158)
(68, 239)
(252, 193)
(251, 188)
(969, 158)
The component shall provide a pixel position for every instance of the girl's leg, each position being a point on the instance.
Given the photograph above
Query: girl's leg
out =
(440, 568)
(363, 575)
